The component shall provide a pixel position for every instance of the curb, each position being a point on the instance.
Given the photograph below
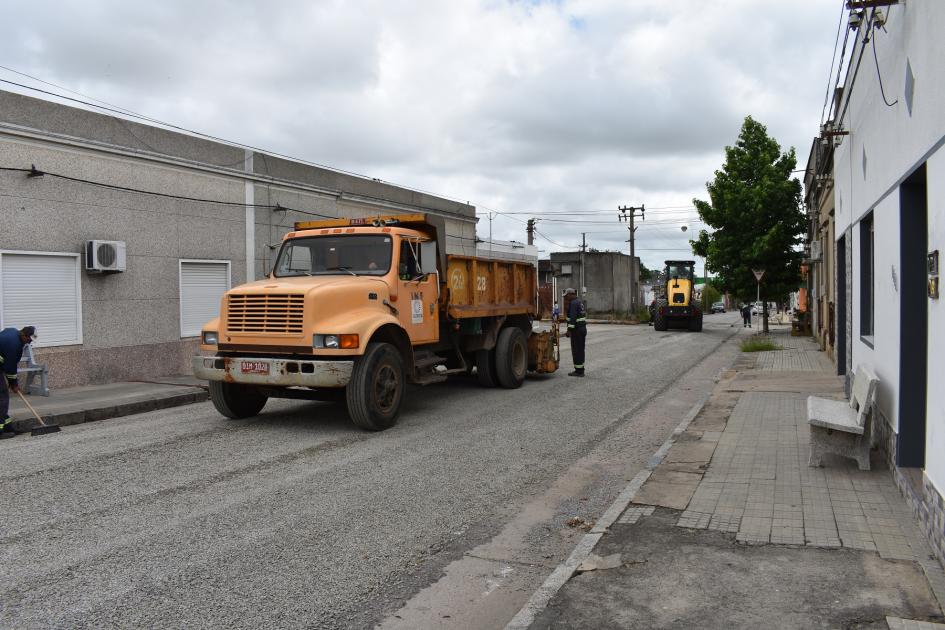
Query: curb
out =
(106, 411)
(564, 571)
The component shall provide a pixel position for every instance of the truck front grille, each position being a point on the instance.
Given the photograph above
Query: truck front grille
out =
(268, 314)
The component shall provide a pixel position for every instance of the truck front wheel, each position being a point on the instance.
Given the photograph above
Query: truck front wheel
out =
(511, 358)
(236, 401)
(376, 388)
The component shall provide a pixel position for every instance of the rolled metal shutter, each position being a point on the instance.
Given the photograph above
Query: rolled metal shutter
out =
(42, 291)
(202, 285)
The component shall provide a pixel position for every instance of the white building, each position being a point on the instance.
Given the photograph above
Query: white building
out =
(888, 130)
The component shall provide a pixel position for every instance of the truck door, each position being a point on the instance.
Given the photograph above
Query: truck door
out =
(417, 291)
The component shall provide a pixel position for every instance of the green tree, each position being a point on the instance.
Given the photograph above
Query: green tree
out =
(645, 274)
(710, 295)
(754, 210)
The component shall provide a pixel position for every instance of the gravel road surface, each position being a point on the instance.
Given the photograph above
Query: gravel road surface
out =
(296, 519)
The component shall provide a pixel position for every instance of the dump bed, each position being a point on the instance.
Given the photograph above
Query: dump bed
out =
(479, 287)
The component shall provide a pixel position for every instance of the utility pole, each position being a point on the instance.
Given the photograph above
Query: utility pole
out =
(490, 235)
(530, 229)
(628, 213)
(583, 249)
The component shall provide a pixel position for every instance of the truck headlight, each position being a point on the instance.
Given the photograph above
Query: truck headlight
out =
(209, 338)
(334, 342)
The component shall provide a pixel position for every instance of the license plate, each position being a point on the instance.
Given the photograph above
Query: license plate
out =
(254, 367)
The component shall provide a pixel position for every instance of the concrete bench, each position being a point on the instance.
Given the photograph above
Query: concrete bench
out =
(844, 427)
(29, 368)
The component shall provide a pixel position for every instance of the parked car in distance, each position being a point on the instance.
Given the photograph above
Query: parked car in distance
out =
(718, 307)
(756, 308)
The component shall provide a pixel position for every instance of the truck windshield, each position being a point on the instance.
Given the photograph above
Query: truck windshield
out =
(362, 255)
(678, 271)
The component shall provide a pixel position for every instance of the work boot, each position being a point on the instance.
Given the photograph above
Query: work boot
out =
(6, 429)
(576, 373)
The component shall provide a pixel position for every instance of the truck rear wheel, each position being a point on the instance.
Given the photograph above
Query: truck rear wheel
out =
(659, 320)
(485, 368)
(695, 323)
(236, 401)
(511, 358)
(376, 388)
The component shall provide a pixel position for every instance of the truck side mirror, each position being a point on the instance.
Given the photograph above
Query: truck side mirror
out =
(428, 257)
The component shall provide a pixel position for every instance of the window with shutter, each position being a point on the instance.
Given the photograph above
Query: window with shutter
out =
(44, 290)
(202, 285)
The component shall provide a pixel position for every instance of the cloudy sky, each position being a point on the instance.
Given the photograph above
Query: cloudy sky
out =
(561, 110)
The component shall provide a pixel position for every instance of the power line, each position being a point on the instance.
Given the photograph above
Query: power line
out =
(122, 207)
(128, 112)
(880, 77)
(34, 172)
(552, 241)
(132, 114)
(541, 213)
(848, 89)
(843, 52)
(833, 59)
(109, 107)
(60, 87)
(680, 221)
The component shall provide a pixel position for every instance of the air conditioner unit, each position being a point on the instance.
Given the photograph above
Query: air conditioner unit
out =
(816, 251)
(104, 256)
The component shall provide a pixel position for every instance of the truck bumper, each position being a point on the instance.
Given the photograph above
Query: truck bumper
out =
(274, 372)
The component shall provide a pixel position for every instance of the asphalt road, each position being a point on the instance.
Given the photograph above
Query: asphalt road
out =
(179, 518)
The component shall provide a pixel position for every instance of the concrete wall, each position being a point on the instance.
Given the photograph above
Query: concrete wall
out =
(131, 320)
(606, 277)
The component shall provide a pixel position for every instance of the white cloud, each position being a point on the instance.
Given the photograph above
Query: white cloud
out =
(517, 106)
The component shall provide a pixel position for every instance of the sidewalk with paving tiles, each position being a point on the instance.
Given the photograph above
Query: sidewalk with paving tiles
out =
(733, 529)
(76, 405)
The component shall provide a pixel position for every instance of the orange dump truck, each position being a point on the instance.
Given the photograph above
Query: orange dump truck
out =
(358, 308)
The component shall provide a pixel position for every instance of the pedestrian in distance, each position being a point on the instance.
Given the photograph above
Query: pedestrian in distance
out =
(577, 329)
(555, 312)
(746, 315)
(12, 342)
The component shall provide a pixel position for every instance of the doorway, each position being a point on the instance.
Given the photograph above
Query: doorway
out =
(842, 305)
(914, 320)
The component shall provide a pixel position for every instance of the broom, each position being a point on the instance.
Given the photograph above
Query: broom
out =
(43, 428)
